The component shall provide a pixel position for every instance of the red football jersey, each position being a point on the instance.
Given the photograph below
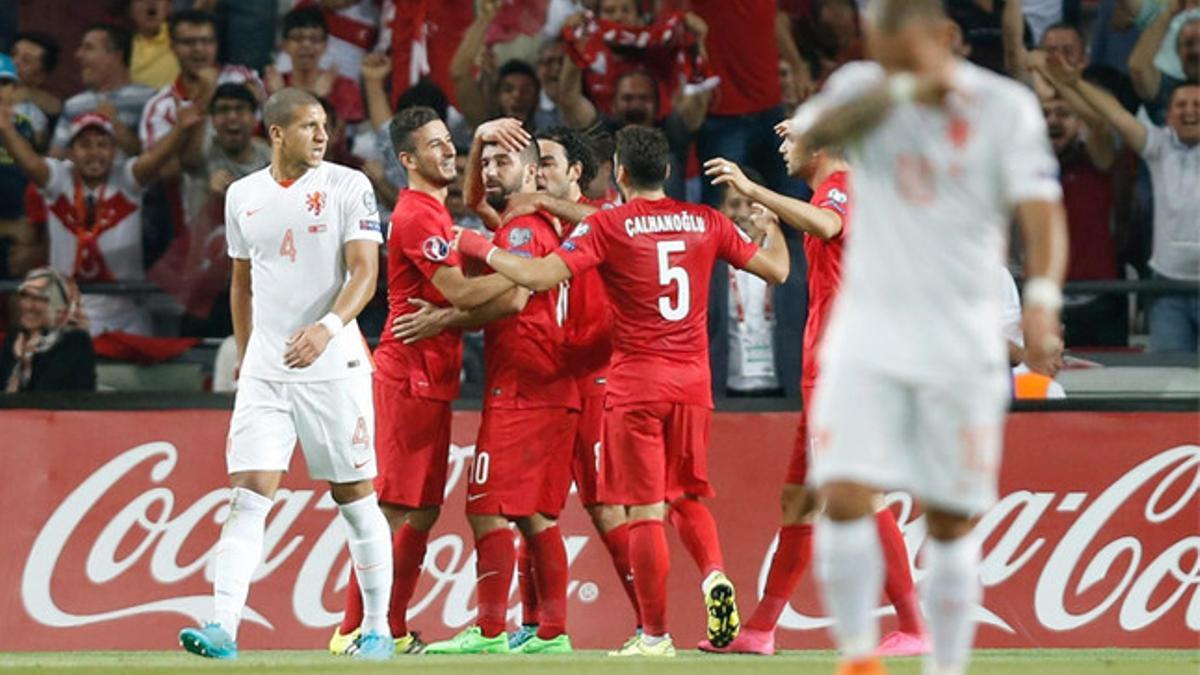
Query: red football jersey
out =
(523, 358)
(418, 245)
(824, 270)
(589, 326)
(656, 259)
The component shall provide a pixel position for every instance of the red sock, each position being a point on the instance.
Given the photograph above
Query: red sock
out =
(651, 561)
(698, 531)
(354, 607)
(493, 576)
(408, 553)
(526, 585)
(899, 582)
(550, 576)
(787, 567)
(617, 542)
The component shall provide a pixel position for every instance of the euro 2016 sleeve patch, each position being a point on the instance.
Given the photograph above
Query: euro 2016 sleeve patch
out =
(435, 249)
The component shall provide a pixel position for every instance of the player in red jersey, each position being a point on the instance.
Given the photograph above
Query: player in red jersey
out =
(521, 472)
(567, 164)
(415, 382)
(655, 256)
(825, 223)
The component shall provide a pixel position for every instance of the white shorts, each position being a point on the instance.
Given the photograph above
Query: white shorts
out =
(939, 441)
(333, 420)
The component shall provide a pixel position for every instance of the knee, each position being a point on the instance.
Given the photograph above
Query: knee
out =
(648, 511)
(424, 519)
(798, 504)
(485, 525)
(946, 526)
(847, 501)
(607, 517)
(345, 493)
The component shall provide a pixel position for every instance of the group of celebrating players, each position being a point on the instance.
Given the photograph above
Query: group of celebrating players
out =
(596, 356)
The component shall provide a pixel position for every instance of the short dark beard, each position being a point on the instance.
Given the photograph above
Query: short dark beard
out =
(497, 200)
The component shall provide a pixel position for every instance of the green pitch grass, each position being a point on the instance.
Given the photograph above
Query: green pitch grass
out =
(986, 662)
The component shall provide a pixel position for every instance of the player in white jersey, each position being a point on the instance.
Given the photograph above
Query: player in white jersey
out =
(304, 236)
(914, 370)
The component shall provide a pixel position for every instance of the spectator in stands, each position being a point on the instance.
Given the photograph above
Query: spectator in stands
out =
(36, 56)
(1085, 152)
(512, 91)
(305, 41)
(549, 67)
(636, 102)
(43, 351)
(94, 208)
(353, 29)
(14, 229)
(103, 58)
(153, 64)
(1172, 154)
(1177, 27)
(1066, 42)
(194, 42)
(751, 327)
(234, 152)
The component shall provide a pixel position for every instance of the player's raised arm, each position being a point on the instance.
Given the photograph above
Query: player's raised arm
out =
(536, 274)
(509, 134)
(820, 222)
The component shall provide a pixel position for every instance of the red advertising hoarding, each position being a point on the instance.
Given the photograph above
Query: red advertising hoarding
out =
(110, 520)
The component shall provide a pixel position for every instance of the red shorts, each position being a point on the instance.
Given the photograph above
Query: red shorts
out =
(587, 449)
(522, 462)
(412, 447)
(797, 471)
(654, 452)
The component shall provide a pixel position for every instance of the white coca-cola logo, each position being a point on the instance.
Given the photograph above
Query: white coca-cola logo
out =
(150, 518)
(1141, 582)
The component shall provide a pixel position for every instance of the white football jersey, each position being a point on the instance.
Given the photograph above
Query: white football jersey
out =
(293, 237)
(935, 190)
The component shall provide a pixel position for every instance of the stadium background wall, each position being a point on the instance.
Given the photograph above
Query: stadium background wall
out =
(110, 517)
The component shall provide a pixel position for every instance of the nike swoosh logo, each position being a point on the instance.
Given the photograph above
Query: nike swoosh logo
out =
(364, 463)
(472, 498)
(250, 212)
(368, 568)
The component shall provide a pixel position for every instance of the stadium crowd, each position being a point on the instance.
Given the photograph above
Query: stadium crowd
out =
(123, 124)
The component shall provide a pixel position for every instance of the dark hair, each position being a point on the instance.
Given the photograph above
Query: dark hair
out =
(577, 149)
(1178, 88)
(331, 116)
(196, 17)
(405, 124)
(304, 17)
(645, 155)
(602, 143)
(48, 44)
(233, 91)
(1114, 82)
(280, 108)
(119, 39)
(516, 67)
(424, 93)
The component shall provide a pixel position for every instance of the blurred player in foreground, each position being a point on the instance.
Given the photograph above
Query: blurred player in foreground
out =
(656, 257)
(825, 223)
(914, 382)
(304, 236)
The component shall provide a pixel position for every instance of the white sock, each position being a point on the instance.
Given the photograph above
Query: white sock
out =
(370, 541)
(850, 567)
(950, 591)
(238, 553)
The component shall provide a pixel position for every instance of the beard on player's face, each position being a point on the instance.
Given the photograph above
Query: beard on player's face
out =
(499, 183)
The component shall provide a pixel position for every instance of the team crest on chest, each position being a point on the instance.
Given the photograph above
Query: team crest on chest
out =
(315, 202)
(519, 236)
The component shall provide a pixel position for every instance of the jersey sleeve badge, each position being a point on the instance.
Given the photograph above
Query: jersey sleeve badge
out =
(435, 248)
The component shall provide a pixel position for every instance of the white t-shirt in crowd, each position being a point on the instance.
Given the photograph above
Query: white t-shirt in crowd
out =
(751, 334)
(935, 189)
(1175, 178)
(109, 248)
(294, 237)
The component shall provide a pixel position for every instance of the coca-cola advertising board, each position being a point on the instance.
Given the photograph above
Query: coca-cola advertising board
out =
(111, 517)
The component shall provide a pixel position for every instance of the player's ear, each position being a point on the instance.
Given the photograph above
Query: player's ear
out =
(574, 171)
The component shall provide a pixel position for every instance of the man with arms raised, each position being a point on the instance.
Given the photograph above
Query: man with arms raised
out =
(416, 381)
(304, 237)
(914, 381)
(655, 256)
